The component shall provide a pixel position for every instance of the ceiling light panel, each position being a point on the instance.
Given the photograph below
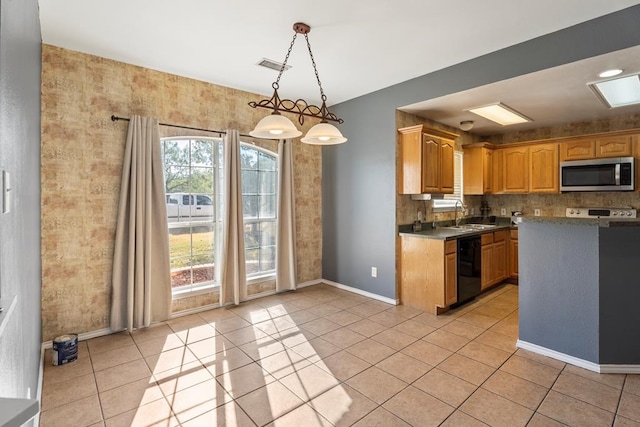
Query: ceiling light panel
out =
(500, 113)
(619, 92)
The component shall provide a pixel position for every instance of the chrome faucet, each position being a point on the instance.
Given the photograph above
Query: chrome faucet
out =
(458, 202)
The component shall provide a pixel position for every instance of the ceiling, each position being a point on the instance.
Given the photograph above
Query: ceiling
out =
(549, 97)
(359, 47)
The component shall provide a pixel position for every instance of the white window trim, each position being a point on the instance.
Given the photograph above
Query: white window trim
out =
(193, 291)
(203, 288)
(262, 276)
(448, 203)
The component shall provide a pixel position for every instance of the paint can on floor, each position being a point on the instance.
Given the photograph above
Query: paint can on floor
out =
(65, 349)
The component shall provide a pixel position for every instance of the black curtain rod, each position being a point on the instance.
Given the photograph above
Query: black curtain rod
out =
(115, 118)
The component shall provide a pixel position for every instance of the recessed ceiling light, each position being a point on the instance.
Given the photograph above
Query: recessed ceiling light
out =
(618, 92)
(610, 73)
(500, 114)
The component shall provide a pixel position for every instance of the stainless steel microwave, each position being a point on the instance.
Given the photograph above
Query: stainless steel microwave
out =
(614, 174)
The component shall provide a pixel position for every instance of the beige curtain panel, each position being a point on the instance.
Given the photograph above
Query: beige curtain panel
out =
(286, 277)
(233, 283)
(141, 272)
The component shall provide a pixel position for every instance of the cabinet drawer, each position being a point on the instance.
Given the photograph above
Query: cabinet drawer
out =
(513, 234)
(500, 236)
(486, 239)
(450, 246)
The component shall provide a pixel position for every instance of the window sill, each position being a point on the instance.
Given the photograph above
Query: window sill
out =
(210, 288)
(195, 291)
(263, 278)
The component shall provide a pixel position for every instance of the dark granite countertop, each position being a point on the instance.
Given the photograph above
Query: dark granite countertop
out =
(447, 233)
(596, 222)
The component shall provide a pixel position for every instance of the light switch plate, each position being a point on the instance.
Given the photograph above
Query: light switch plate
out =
(536, 212)
(503, 211)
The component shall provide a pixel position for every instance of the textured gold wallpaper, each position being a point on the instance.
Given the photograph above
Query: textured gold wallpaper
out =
(82, 153)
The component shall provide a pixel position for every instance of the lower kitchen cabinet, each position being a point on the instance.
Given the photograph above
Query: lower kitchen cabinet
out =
(493, 258)
(513, 254)
(500, 261)
(486, 257)
(451, 276)
(428, 273)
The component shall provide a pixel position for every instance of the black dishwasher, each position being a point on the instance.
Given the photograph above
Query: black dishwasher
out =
(469, 269)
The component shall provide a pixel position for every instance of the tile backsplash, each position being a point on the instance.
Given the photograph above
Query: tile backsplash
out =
(555, 204)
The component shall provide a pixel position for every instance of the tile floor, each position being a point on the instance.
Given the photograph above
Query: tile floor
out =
(322, 356)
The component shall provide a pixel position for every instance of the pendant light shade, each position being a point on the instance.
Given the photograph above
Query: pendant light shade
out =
(275, 126)
(323, 134)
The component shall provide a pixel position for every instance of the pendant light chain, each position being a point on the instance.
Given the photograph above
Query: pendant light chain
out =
(313, 61)
(276, 84)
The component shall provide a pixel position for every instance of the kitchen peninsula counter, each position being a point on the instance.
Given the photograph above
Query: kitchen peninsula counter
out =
(579, 292)
(600, 222)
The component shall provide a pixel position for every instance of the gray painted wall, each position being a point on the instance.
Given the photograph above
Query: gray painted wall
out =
(20, 67)
(619, 295)
(558, 288)
(358, 177)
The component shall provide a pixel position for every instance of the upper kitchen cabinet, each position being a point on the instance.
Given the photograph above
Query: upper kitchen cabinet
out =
(516, 170)
(579, 149)
(478, 169)
(426, 156)
(498, 175)
(543, 168)
(614, 146)
(597, 147)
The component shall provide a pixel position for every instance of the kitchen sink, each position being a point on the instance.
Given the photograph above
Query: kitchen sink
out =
(470, 227)
(479, 226)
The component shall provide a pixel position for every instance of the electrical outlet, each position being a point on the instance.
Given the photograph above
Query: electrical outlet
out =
(471, 211)
(536, 212)
(503, 211)
(374, 271)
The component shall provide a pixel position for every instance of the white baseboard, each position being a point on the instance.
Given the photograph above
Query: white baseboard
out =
(361, 292)
(195, 310)
(309, 283)
(591, 366)
(84, 336)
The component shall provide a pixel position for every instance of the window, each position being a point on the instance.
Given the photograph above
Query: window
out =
(259, 197)
(192, 172)
(193, 176)
(449, 201)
